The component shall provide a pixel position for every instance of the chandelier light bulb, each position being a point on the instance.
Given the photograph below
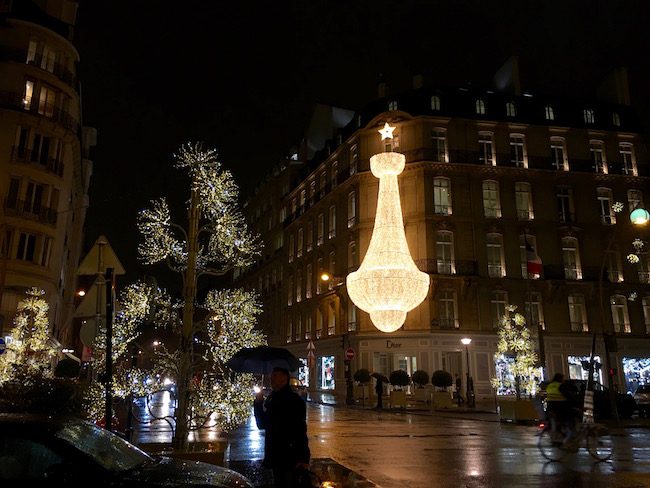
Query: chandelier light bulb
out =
(388, 284)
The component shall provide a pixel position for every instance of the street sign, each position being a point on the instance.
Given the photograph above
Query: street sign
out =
(349, 354)
(3, 345)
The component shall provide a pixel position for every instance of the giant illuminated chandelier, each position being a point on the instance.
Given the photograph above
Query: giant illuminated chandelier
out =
(388, 284)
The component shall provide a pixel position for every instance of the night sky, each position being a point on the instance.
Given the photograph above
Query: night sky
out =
(242, 76)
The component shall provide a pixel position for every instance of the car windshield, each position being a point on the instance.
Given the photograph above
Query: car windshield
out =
(108, 450)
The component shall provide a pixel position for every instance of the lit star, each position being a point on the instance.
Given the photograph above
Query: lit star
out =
(386, 132)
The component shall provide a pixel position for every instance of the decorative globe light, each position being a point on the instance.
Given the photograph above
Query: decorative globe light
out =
(388, 284)
(639, 216)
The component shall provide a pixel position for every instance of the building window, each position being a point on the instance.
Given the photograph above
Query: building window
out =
(491, 202)
(298, 286)
(14, 191)
(510, 109)
(634, 199)
(289, 329)
(308, 326)
(28, 97)
(518, 151)
(392, 105)
(309, 279)
(312, 192)
(620, 318)
(607, 215)
(528, 257)
(534, 312)
(495, 259)
(628, 158)
(597, 149)
(442, 196)
(498, 304)
(646, 313)
(578, 314)
(447, 310)
(486, 148)
(613, 269)
(298, 332)
(445, 252)
(558, 153)
(26, 247)
(303, 200)
(283, 214)
(46, 101)
(616, 119)
(47, 250)
(319, 324)
(319, 282)
(290, 291)
(323, 183)
(524, 201)
(564, 199)
(352, 317)
(300, 243)
(588, 115)
(480, 106)
(548, 113)
(332, 222)
(352, 209)
(435, 102)
(331, 320)
(439, 140)
(571, 259)
(352, 255)
(331, 267)
(354, 159)
(294, 207)
(320, 230)
(334, 175)
(310, 236)
(290, 250)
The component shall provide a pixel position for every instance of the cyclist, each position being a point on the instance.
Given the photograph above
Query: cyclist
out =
(561, 400)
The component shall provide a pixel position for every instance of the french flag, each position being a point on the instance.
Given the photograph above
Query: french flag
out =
(533, 262)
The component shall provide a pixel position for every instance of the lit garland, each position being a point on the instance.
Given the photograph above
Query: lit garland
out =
(388, 284)
(30, 353)
(515, 341)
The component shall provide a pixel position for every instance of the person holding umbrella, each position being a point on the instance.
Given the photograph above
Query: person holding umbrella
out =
(283, 417)
(379, 388)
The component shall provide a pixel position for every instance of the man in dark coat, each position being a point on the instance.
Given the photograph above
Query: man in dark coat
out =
(283, 416)
(379, 390)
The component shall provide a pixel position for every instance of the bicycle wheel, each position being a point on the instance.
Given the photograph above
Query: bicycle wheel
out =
(550, 444)
(599, 443)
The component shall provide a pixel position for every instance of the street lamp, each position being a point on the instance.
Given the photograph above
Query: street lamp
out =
(470, 383)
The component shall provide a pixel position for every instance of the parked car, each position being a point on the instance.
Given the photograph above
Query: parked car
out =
(51, 451)
(642, 398)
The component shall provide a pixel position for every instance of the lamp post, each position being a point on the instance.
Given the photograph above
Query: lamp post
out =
(469, 383)
(336, 287)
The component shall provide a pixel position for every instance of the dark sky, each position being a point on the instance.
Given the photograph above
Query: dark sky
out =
(243, 75)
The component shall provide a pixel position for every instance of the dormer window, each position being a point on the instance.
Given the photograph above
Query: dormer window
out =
(589, 116)
(616, 119)
(548, 113)
(510, 109)
(435, 102)
(392, 105)
(480, 106)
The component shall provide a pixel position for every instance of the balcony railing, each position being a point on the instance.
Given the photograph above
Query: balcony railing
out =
(28, 209)
(15, 101)
(58, 69)
(461, 267)
(24, 155)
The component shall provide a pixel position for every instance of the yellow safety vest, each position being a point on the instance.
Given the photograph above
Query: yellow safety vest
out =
(553, 393)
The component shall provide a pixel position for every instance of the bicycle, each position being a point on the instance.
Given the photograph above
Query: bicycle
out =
(596, 437)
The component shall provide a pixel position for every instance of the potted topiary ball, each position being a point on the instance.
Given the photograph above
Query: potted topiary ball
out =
(362, 379)
(421, 378)
(399, 379)
(442, 380)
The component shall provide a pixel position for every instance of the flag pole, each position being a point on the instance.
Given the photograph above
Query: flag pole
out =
(540, 331)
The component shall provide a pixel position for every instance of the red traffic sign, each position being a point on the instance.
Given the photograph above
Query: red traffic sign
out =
(349, 354)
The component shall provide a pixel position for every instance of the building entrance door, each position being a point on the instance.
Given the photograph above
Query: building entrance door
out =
(453, 363)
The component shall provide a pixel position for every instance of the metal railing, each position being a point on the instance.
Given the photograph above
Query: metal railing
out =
(29, 156)
(23, 208)
(16, 101)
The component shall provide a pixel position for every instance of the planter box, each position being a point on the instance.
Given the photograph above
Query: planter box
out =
(398, 398)
(513, 410)
(422, 395)
(442, 399)
(362, 392)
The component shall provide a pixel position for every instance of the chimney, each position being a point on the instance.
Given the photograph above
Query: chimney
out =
(615, 87)
(382, 87)
(418, 81)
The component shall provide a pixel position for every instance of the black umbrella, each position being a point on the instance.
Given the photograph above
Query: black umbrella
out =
(262, 360)
(380, 376)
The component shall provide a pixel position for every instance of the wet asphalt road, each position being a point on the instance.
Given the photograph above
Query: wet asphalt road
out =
(421, 449)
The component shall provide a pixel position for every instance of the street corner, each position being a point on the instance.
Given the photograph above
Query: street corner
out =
(328, 472)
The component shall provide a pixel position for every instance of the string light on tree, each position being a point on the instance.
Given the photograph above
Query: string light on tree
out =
(387, 285)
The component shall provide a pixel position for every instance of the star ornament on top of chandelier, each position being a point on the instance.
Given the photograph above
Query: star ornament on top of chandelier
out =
(386, 132)
(388, 284)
